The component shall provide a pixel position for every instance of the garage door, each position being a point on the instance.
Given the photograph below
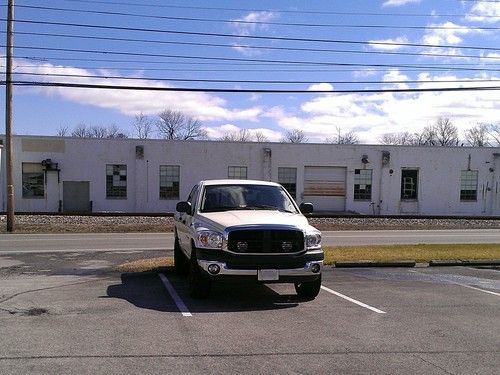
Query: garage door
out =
(325, 188)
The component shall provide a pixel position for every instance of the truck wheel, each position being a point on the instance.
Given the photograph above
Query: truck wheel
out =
(199, 286)
(180, 261)
(309, 289)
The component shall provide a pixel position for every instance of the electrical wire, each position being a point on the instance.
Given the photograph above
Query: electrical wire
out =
(266, 23)
(272, 48)
(267, 37)
(257, 91)
(249, 81)
(162, 6)
(233, 59)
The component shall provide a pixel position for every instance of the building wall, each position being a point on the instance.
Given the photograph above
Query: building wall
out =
(439, 170)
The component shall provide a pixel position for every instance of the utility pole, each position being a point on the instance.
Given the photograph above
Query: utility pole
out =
(8, 117)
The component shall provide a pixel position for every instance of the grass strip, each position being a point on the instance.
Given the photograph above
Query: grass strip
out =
(418, 253)
(144, 265)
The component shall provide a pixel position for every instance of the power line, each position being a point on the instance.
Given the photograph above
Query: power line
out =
(258, 91)
(419, 54)
(272, 23)
(249, 81)
(204, 34)
(158, 6)
(184, 70)
(233, 59)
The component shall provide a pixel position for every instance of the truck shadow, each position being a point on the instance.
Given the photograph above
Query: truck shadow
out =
(146, 290)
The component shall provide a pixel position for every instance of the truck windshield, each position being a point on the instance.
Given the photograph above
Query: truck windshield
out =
(245, 197)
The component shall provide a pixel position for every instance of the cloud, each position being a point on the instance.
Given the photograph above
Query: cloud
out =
(320, 87)
(252, 22)
(375, 44)
(203, 106)
(448, 33)
(397, 3)
(484, 12)
(372, 115)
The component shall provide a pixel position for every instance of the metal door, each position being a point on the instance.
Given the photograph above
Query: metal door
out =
(325, 188)
(76, 196)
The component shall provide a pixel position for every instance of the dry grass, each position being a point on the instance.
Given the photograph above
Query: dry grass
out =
(144, 265)
(419, 253)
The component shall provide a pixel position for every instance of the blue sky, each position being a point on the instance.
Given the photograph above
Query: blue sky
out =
(308, 64)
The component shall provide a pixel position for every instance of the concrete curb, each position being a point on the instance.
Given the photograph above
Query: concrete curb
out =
(412, 263)
(444, 263)
(374, 263)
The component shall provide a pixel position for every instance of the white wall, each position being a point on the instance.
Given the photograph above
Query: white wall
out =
(86, 159)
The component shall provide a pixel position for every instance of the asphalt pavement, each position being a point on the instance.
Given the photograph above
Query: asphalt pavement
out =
(71, 313)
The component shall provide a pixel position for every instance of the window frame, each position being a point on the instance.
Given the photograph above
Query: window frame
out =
(362, 195)
(414, 195)
(240, 168)
(113, 188)
(287, 184)
(465, 197)
(175, 183)
(33, 175)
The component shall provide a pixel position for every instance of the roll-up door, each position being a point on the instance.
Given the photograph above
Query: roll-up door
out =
(325, 187)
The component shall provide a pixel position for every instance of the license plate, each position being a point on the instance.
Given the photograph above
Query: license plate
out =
(268, 275)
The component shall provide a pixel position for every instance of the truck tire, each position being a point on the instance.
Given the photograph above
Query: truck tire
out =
(309, 289)
(199, 285)
(180, 261)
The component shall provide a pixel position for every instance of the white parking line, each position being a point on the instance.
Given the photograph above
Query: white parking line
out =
(352, 300)
(178, 301)
(481, 290)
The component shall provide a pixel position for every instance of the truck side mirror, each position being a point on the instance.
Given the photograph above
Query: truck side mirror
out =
(306, 208)
(183, 207)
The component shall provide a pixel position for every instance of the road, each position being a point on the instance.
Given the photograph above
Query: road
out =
(92, 242)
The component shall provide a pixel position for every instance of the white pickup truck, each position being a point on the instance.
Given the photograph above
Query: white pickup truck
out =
(249, 230)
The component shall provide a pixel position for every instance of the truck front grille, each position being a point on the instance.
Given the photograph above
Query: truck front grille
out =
(266, 241)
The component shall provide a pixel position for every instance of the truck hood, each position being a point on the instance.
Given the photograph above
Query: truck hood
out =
(227, 219)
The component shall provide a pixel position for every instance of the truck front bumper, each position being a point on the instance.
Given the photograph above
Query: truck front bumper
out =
(285, 268)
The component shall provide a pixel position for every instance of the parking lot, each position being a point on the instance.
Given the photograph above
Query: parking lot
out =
(71, 313)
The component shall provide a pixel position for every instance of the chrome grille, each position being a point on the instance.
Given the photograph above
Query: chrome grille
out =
(265, 241)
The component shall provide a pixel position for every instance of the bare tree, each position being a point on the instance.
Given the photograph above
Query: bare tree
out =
(97, 131)
(62, 131)
(294, 136)
(80, 131)
(446, 132)
(494, 133)
(349, 138)
(143, 126)
(242, 135)
(477, 136)
(176, 125)
(260, 137)
(402, 139)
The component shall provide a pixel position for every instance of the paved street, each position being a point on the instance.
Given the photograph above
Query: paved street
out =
(85, 242)
(71, 313)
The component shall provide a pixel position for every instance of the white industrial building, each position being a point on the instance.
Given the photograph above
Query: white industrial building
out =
(59, 174)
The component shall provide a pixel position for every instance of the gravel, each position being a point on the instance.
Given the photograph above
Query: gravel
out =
(83, 224)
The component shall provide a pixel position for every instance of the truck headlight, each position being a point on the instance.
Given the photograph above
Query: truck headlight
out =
(210, 240)
(313, 241)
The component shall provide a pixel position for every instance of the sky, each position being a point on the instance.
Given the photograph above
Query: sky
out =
(328, 52)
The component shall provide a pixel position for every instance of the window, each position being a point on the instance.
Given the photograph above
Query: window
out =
(468, 186)
(116, 181)
(169, 181)
(33, 180)
(362, 184)
(288, 178)
(238, 173)
(409, 184)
